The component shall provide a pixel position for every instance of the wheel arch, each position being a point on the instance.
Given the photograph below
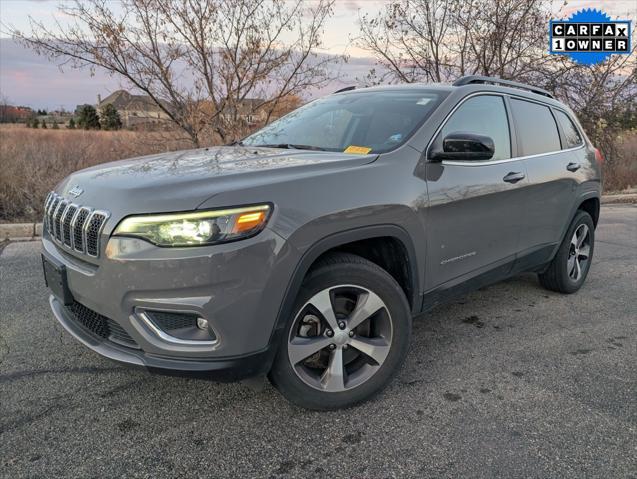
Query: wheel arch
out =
(591, 205)
(343, 241)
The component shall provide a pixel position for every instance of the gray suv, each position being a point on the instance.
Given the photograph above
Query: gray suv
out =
(304, 250)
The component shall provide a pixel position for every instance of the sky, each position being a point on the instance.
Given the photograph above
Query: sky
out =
(28, 79)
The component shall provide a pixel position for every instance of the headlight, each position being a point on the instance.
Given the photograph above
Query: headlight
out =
(197, 227)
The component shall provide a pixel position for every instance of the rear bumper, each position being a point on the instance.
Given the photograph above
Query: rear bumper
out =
(221, 369)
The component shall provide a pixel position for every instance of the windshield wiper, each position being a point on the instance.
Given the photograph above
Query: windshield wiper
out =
(291, 146)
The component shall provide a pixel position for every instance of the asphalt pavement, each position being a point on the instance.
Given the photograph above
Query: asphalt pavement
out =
(510, 381)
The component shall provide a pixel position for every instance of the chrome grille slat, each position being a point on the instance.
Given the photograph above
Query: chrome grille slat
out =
(74, 226)
(69, 214)
(57, 218)
(47, 204)
(78, 228)
(52, 208)
(93, 228)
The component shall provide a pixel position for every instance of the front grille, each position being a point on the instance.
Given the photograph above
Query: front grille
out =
(74, 226)
(100, 325)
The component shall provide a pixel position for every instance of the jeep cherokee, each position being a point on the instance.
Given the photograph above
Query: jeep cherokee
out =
(304, 250)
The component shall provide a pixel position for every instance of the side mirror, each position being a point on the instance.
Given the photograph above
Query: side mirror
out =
(463, 146)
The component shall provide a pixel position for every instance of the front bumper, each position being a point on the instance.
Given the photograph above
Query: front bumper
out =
(234, 286)
(223, 369)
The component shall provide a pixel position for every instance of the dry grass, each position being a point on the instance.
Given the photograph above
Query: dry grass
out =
(32, 162)
(621, 173)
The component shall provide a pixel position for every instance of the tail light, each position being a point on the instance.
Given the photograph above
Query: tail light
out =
(598, 156)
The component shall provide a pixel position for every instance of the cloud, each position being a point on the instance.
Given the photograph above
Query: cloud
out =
(32, 80)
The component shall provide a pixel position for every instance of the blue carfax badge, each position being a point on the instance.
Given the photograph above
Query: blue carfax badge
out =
(589, 36)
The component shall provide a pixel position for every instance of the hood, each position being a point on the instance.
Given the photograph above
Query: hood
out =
(183, 180)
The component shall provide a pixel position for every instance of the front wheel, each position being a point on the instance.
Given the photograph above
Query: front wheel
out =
(348, 337)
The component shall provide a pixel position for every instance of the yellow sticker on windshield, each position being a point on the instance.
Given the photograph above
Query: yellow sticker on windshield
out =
(357, 150)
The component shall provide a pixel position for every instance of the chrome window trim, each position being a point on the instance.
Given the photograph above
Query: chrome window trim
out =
(508, 160)
(492, 162)
(172, 339)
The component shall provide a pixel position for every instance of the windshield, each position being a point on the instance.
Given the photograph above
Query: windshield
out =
(357, 122)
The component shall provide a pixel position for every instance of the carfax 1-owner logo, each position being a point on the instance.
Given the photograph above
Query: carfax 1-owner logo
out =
(589, 36)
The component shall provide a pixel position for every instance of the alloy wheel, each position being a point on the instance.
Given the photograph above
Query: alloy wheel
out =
(579, 253)
(340, 338)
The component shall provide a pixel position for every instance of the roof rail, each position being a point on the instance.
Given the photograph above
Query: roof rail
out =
(472, 79)
(347, 88)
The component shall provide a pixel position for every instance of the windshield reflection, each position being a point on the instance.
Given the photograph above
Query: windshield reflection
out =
(356, 122)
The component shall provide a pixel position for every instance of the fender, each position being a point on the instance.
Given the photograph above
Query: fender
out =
(332, 241)
(586, 195)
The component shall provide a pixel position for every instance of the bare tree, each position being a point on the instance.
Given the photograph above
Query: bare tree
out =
(198, 60)
(441, 40)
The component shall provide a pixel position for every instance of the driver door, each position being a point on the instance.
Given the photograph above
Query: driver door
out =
(476, 207)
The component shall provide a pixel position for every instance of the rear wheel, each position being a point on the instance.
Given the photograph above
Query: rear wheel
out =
(568, 270)
(348, 337)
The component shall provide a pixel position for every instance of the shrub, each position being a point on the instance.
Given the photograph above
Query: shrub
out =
(88, 118)
(109, 118)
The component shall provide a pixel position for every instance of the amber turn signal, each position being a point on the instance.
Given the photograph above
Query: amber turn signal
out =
(248, 221)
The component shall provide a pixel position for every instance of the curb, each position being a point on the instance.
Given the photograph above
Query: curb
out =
(621, 198)
(20, 231)
(33, 231)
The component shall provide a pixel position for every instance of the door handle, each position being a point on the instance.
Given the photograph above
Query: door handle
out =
(573, 166)
(514, 177)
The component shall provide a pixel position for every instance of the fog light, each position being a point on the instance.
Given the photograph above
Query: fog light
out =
(202, 323)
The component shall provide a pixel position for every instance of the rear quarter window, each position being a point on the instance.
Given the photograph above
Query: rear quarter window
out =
(572, 137)
(536, 128)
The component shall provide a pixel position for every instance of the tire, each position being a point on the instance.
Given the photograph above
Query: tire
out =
(341, 291)
(569, 268)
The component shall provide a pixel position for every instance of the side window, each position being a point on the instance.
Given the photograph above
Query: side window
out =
(482, 115)
(536, 127)
(572, 138)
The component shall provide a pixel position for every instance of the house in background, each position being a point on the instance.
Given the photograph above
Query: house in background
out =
(12, 114)
(248, 110)
(134, 110)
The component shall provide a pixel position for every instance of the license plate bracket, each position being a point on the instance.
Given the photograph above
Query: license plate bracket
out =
(56, 280)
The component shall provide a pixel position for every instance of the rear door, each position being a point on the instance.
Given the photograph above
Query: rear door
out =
(475, 207)
(553, 168)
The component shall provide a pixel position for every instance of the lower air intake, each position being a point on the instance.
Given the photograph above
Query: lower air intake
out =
(100, 325)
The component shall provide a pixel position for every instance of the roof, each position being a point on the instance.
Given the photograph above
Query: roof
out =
(469, 84)
(122, 100)
(401, 87)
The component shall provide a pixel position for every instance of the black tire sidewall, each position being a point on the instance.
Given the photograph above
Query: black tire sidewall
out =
(567, 284)
(370, 277)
